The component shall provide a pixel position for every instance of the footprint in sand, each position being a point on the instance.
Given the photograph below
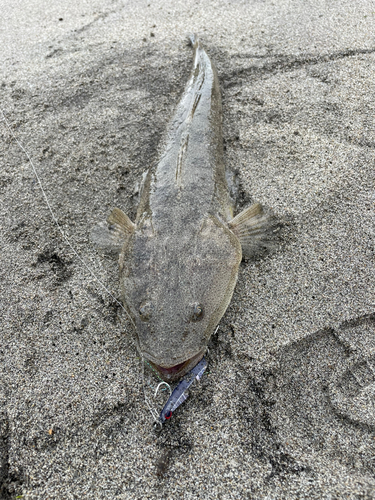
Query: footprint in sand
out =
(323, 395)
(352, 387)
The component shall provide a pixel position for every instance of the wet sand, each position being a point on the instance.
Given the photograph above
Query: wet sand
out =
(287, 409)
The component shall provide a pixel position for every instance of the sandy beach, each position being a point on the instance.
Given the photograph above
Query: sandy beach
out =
(287, 408)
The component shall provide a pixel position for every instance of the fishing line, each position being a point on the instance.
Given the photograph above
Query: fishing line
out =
(152, 410)
(147, 402)
(57, 223)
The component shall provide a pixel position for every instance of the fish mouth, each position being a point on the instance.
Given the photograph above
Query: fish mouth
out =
(175, 372)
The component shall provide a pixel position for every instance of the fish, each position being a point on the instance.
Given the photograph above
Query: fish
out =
(179, 259)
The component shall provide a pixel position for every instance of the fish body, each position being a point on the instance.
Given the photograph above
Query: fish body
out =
(179, 260)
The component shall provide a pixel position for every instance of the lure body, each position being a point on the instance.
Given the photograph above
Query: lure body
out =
(179, 395)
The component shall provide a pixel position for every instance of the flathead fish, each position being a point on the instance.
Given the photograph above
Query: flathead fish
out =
(179, 260)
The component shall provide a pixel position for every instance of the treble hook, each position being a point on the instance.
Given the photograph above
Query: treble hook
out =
(163, 383)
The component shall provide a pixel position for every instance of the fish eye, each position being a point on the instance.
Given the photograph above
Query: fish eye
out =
(145, 311)
(198, 312)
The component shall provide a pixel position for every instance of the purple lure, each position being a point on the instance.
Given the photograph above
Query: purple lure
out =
(180, 394)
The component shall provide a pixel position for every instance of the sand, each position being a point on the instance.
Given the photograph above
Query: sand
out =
(287, 408)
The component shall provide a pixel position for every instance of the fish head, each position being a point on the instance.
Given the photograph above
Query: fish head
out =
(176, 287)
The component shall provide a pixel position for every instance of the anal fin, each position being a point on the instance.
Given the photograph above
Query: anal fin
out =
(256, 230)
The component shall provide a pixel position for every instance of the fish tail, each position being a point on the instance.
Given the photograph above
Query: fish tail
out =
(193, 41)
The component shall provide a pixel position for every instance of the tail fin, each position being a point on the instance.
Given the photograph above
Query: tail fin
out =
(193, 41)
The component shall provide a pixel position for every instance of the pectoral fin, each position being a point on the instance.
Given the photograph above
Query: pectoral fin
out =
(255, 229)
(121, 221)
(112, 235)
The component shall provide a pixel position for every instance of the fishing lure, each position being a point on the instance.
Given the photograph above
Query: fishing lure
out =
(180, 394)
